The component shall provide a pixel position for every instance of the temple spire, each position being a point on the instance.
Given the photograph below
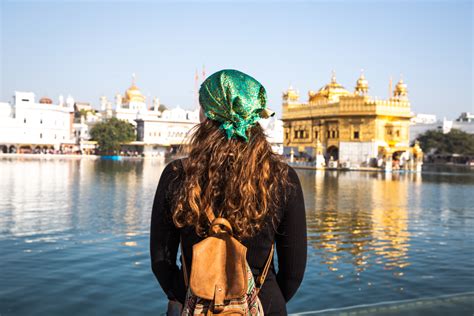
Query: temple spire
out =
(333, 76)
(362, 85)
(390, 87)
(196, 90)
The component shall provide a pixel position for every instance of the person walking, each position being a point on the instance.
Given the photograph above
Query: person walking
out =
(231, 170)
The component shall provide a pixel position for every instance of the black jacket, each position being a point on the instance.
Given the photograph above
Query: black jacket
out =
(290, 239)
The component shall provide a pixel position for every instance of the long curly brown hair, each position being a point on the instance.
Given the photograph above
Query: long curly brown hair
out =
(243, 182)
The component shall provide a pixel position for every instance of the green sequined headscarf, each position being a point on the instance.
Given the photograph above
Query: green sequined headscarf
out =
(234, 99)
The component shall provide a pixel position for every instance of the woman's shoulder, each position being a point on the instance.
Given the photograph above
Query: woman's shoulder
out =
(292, 175)
(292, 185)
(173, 170)
(174, 166)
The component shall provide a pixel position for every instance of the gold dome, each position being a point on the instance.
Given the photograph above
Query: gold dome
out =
(362, 85)
(133, 94)
(331, 91)
(291, 94)
(401, 89)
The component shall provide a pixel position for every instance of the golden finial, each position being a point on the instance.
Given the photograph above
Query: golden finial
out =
(401, 88)
(390, 87)
(333, 76)
(362, 85)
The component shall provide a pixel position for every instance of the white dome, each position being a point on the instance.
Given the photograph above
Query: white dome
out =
(166, 114)
(178, 114)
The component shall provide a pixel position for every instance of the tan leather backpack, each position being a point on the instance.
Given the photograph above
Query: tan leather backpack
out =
(221, 282)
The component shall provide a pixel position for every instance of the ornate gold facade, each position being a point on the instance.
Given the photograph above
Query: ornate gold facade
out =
(348, 126)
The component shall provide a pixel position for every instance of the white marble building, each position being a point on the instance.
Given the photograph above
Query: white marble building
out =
(173, 127)
(165, 132)
(421, 118)
(29, 126)
(82, 132)
(170, 128)
(274, 130)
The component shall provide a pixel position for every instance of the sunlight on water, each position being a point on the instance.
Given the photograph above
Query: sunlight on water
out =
(74, 237)
(378, 237)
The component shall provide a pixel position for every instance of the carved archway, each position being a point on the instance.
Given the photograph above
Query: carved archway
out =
(333, 152)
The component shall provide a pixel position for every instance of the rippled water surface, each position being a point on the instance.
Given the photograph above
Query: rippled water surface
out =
(74, 237)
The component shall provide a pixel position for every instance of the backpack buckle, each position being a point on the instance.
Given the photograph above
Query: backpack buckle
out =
(220, 225)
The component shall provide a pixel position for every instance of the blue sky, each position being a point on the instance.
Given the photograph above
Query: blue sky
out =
(91, 48)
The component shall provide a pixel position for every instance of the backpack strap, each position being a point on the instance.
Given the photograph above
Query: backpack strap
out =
(261, 279)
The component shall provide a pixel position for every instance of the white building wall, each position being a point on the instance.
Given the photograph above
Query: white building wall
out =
(28, 122)
(127, 115)
(357, 152)
(273, 128)
(172, 128)
(166, 132)
(423, 119)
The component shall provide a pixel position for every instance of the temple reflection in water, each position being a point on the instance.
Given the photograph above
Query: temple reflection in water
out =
(360, 219)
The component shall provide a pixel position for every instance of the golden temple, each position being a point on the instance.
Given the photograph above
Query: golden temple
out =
(336, 127)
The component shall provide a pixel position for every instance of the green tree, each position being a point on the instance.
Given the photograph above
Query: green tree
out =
(111, 133)
(83, 112)
(454, 142)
